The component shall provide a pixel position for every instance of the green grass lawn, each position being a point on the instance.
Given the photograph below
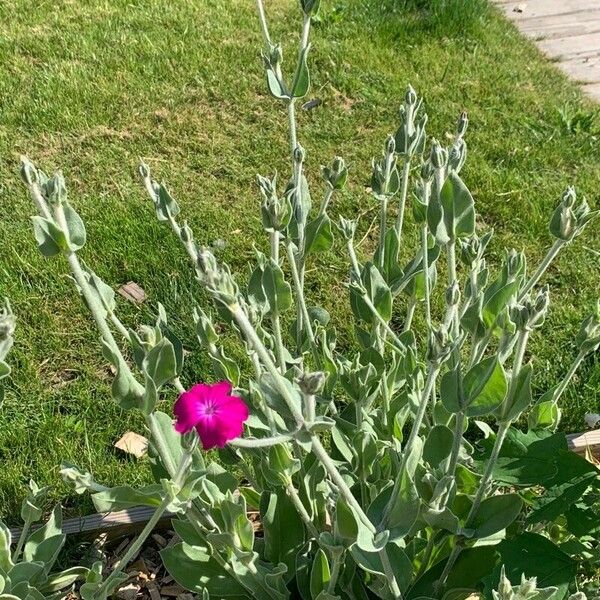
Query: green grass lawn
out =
(90, 86)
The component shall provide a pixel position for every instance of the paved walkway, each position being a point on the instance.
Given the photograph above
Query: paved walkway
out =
(568, 31)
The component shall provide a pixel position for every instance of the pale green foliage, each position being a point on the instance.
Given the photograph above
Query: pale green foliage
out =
(27, 571)
(356, 458)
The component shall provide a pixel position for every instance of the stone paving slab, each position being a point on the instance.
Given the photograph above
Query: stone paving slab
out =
(567, 31)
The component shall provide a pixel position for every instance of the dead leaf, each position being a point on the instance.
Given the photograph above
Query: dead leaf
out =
(519, 8)
(133, 443)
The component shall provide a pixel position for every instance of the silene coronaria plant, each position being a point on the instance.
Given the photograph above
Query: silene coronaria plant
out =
(392, 470)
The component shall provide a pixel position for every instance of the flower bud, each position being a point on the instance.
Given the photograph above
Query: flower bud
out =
(55, 189)
(438, 156)
(207, 263)
(299, 154)
(463, 123)
(144, 170)
(515, 263)
(312, 383)
(28, 171)
(310, 7)
(347, 228)
(186, 234)
(426, 170)
(148, 336)
(336, 175)
(410, 97)
(205, 329)
(390, 145)
(519, 314)
(588, 338)
(439, 346)
(452, 294)
(7, 322)
(569, 197)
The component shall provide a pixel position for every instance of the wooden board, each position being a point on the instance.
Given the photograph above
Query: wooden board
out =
(544, 8)
(561, 25)
(577, 46)
(567, 31)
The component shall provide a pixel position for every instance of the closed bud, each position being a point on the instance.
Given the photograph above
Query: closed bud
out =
(144, 170)
(463, 123)
(205, 329)
(410, 97)
(148, 336)
(426, 170)
(390, 145)
(347, 228)
(207, 263)
(452, 294)
(520, 315)
(569, 197)
(299, 154)
(310, 7)
(56, 189)
(28, 171)
(336, 175)
(438, 156)
(515, 262)
(186, 234)
(439, 346)
(312, 383)
(588, 338)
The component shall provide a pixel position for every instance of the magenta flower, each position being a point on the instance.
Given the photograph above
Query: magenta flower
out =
(217, 415)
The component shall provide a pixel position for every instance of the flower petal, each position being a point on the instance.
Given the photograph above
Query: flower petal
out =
(188, 407)
(233, 408)
(220, 389)
(211, 436)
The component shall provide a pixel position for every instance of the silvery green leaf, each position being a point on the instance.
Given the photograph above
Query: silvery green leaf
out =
(26, 573)
(284, 531)
(377, 291)
(50, 238)
(319, 235)
(544, 415)
(45, 543)
(520, 398)
(484, 387)
(160, 363)
(105, 295)
(320, 574)
(438, 445)
(404, 509)
(6, 563)
(496, 513)
(164, 204)
(271, 391)
(163, 327)
(224, 366)
(301, 83)
(122, 497)
(64, 579)
(386, 256)
(276, 86)
(32, 507)
(276, 289)
(83, 480)
(75, 227)
(401, 564)
(126, 390)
